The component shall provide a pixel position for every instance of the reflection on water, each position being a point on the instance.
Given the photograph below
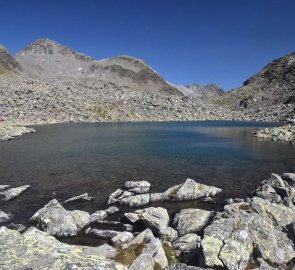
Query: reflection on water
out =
(71, 159)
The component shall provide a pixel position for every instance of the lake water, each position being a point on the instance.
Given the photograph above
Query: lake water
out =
(70, 159)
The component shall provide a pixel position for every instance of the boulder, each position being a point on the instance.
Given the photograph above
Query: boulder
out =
(191, 220)
(104, 234)
(122, 238)
(168, 234)
(57, 221)
(151, 248)
(113, 197)
(136, 201)
(139, 190)
(112, 210)
(37, 250)
(244, 229)
(81, 198)
(12, 193)
(4, 217)
(3, 187)
(19, 227)
(125, 194)
(289, 177)
(98, 216)
(154, 218)
(137, 184)
(187, 243)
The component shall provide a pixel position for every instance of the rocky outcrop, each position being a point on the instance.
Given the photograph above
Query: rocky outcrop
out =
(202, 92)
(285, 133)
(55, 220)
(245, 231)
(38, 250)
(12, 193)
(191, 220)
(8, 64)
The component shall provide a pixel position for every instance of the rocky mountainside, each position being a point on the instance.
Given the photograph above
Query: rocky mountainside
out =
(45, 58)
(8, 64)
(268, 95)
(203, 92)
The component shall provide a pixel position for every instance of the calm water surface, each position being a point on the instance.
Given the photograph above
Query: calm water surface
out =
(71, 159)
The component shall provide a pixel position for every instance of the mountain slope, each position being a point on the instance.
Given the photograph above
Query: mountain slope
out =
(268, 94)
(8, 64)
(45, 58)
(203, 92)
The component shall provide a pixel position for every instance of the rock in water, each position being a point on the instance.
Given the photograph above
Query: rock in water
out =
(2, 187)
(191, 220)
(137, 184)
(4, 217)
(80, 198)
(38, 250)
(55, 220)
(191, 190)
(13, 192)
(247, 228)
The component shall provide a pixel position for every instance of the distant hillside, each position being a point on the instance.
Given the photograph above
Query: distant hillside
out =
(268, 94)
(203, 92)
(45, 58)
(8, 64)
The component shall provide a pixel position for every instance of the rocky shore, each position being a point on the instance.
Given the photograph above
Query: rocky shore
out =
(285, 133)
(10, 130)
(253, 233)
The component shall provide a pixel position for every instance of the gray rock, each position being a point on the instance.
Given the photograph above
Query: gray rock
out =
(137, 184)
(38, 250)
(191, 190)
(112, 210)
(289, 177)
(132, 217)
(104, 234)
(152, 250)
(55, 220)
(139, 190)
(154, 218)
(80, 198)
(168, 234)
(106, 251)
(187, 243)
(191, 220)
(136, 201)
(125, 194)
(3, 187)
(229, 240)
(4, 217)
(98, 216)
(13, 192)
(122, 238)
(113, 197)
(19, 227)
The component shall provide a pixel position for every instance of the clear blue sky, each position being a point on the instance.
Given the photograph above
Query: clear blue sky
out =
(186, 41)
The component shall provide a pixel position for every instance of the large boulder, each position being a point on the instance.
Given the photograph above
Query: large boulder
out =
(191, 220)
(55, 220)
(12, 193)
(38, 250)
(247, 229)
(154, 218)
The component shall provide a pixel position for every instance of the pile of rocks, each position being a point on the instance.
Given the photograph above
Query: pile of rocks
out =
(256, 233)
(284, 133)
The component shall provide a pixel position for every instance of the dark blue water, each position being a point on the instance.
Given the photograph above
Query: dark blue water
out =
(71, 159)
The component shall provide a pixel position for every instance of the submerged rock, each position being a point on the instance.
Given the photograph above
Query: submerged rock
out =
(80, 198)
(55, 220)
(191, 220)
(244, 229)
(4, 217)
(13, 192)
(38, 250)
